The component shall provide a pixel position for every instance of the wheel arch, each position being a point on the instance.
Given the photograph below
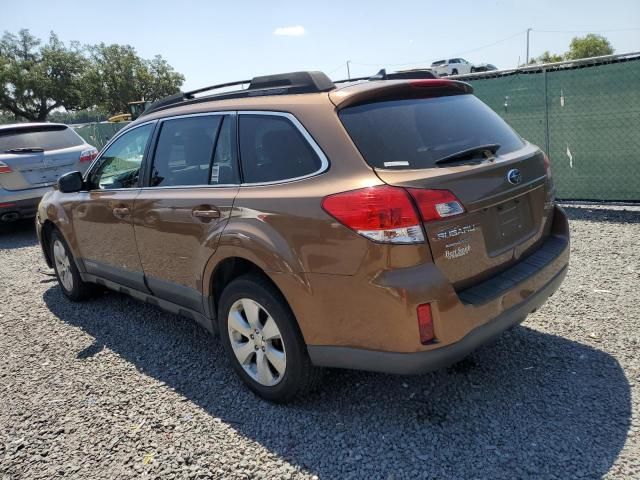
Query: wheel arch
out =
(47, 228)
(225, 266)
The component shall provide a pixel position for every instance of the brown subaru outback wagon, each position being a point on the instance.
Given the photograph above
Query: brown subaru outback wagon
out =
(386, 225)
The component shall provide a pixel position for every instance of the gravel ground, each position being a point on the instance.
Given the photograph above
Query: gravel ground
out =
(113, 388)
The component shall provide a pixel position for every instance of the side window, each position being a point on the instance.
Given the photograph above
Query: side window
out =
(224, 170)
(272, 149)
(119, 165)
(184, 151)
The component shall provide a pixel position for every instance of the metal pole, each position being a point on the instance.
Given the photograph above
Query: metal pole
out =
(527, 60)
(348, 72)
(546, 112)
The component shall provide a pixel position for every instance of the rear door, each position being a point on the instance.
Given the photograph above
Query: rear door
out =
(186, 203)
(501, 180)
(37, 155)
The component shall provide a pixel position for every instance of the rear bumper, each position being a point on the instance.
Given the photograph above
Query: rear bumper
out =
(421, 362)
(16, 204)
(381, 333)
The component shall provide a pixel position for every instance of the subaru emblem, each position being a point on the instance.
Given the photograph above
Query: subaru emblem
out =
(514, 177)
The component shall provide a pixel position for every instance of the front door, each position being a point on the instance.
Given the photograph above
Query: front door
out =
(103, 216)
(189, 193)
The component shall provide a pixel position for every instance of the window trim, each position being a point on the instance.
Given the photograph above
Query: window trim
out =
(151, 147)
(324, 161)
(222, 113)
(96, 162)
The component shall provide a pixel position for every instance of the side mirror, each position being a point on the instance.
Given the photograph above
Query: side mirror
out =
(70, 182)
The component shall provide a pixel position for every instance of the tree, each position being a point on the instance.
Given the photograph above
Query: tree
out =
(547, 57)
(36, 79)
(6, 117)
(79, 116)
(591, 45)
(117, 75)
(162, 80)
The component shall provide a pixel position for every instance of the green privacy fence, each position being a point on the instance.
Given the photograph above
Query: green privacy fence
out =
(98, 134)
(585, 114)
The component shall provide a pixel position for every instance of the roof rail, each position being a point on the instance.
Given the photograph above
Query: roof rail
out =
(280, 84)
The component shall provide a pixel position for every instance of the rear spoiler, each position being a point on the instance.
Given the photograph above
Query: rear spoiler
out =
(370, 92)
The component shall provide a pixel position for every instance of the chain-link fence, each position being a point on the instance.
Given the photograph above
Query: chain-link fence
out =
(585, 114)
(98, 134)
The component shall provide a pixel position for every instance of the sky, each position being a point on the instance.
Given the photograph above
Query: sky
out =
(212, 42)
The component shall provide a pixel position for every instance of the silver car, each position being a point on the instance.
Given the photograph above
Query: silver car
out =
(32, 157)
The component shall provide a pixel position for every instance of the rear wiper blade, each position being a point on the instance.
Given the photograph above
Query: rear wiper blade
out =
(469, 152)
(25, 150)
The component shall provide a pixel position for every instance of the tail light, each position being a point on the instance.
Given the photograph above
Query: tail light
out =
(425, 323)
(4, 168)
(436, 204)
(387, 214)
(88, 155)
(441, 83)
(382, 214)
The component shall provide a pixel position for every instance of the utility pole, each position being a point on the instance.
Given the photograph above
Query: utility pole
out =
(527, 58)
(348, 71)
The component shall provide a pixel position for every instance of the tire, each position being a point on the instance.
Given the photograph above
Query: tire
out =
(454, 71)
(275, 364)
(473, 70)
(66, 271)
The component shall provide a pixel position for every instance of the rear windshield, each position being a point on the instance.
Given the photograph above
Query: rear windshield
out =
(439, 62)
(416, 133)
(49, 137)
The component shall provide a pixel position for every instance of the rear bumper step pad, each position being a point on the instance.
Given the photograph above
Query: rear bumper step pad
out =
(496, 286)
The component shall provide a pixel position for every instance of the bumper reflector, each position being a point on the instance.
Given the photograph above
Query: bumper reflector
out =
(425, 323)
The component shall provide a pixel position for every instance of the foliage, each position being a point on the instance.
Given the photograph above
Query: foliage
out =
(40, 80)
(591, 45)
(79, 116)
(547, 57)
(36, 79)
(117, 75)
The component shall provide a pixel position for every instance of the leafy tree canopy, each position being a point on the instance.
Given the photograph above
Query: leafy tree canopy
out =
(37, 79)
(591, 45)
(117, 75)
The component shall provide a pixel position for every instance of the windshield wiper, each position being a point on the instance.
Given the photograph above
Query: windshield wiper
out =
(469, 152)
(25, 150)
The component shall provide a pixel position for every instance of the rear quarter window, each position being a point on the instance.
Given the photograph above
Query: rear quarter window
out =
(416, 133)
(53, 137)
(273, 149)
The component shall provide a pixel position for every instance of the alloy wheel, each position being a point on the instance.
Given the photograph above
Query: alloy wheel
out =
(63, 265)
(257, 342)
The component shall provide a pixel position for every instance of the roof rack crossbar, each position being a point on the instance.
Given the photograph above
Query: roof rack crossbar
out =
(294, 82)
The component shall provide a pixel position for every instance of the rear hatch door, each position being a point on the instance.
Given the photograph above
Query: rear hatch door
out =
(36, 156)
(500, 219)
(501, 180)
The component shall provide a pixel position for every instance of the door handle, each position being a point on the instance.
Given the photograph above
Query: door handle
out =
(207, 214)
(120, 212)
